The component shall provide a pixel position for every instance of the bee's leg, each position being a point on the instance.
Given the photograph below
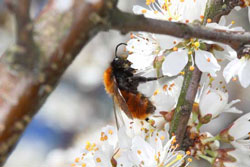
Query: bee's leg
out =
(139, 79)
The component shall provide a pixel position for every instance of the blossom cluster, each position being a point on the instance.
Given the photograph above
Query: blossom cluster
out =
(148, 143)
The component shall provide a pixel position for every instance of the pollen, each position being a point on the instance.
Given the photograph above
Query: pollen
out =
(234, 79)
(162, 137)
(189, 159)
(179, 157)
(191, 68)
(98, 160)
(139, 152)
(175, 48)
(233, 22)
(77, 159)
(188, 152)
(110, 132)
(155, 12)
(182, 73)
(148, 2)
(156, 92)
(209, 20)
(132, 35)
(84, 165)
(208, 59)
(190, 52)
(197, 44)
(144, 11)
(165, 87)
(73, 165)
(219, 60)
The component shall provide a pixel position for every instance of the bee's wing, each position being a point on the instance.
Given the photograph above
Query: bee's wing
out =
(118, 117)
(121, 101)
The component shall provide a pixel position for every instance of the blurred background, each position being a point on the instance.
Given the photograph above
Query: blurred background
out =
(78, 108)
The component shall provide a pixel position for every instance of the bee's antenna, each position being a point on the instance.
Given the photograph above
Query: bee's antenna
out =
(118, 47)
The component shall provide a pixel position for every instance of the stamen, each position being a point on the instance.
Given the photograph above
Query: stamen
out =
(98, 160)
(191, 68)
(178, 157)
(209, 20)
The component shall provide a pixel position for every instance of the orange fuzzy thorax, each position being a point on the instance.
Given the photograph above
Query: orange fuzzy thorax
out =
(108, 81)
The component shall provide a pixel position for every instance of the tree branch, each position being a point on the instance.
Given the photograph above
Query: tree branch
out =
(23, 93)
(26, 52)
(131, 22)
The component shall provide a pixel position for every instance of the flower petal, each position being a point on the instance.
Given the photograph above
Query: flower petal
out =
(140, 61)
(174, 63)
(232, 69)
(206, 62)
(244, 74)
(215, 97)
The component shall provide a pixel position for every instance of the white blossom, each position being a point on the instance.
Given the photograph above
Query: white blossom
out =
(151, 149)
(172, 10)
(241, 159)
(240, 68)
(177, 60)
(143, 49)
(240, 131)
(215, 102)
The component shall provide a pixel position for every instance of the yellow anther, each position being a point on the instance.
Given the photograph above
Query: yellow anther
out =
(234, 79)
(110, 132)
(209, 20)
(162, 137)
(175, 48)
(84, 165)
(233, 22)
(77, 159)
(165, 87)
(191, 68)
(148, 2)
(182, 72)
(188, 152)
(179, 157)
(98, 160)
(189, 159)
(139, 152)
(197, 44)
(156, 92)
(144, 11)
(190, 52)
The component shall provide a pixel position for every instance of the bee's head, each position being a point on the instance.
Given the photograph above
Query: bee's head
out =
(120, 62)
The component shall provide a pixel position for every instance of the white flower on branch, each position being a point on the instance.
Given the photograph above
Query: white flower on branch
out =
(231, 158)
(166, 94)
(176, 61)
(215, 102)
(153, 148)
(173, 10)
(240, 131)
(240, 68)
(143, 49)
(240, 159)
